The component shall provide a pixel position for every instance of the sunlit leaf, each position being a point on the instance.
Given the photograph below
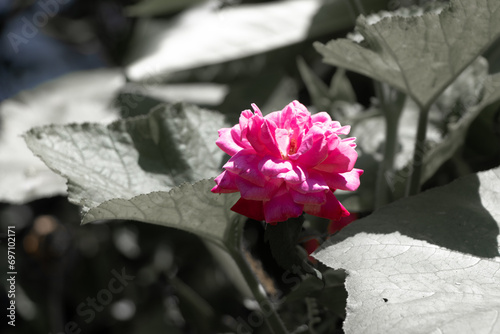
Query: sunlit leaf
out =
(207, 35)
(71, 98)
(419, 55)
(424, 264)
(171, 145)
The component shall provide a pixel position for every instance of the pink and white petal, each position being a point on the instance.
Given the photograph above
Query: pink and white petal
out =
(283, 141)
(313, 149)
(272, 166)
(296, 175)
(246, 164)
(251, 191)
(249, 208)
(332, 139)
(281, 207)
(267, 137)
(254, 133)
(225, 183)
(256, 110)
(316, 198)
(321, 117)
(331, 209)
(314, 182)
(344, 130)
(226, 142)
(344, 181)
(340, 160)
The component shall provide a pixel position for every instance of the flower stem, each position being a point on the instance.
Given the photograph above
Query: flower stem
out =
(413, 186)
(267, 308)
(391, 105)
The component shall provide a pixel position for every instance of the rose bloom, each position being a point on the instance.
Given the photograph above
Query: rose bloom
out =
(287, 163)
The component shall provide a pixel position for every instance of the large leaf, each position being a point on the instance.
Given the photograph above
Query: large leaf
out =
(171, 145)
(458, 131)
(425, 264)
(206, 35)
(189, 207)
(71, 98)
(419, 55)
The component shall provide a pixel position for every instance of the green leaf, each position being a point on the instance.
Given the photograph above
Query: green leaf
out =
(317, 89)
(162, 47)
(458, 131)
(189, 207)
(74, 97)
(173, 144)
(282, 239)
(158, 7)
(341, 88)
(428, 263)
(419, 55)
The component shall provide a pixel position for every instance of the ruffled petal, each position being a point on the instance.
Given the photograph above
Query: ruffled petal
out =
(245, 164)
(344, 181)
(331, 209)
(321, 117)
(314, 182)
(249, 208)
(313, 148)
(281, 207)
(271, 166)
(251, 191)
(339, 160)
(261, 136)
(295, 175)
(226, 142)
(316, 198)
(225, 183)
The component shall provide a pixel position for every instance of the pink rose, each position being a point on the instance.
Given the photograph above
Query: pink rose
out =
(287, 163)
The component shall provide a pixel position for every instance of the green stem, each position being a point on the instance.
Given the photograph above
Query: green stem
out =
(392, 111)
(418, 154)
(270, 315)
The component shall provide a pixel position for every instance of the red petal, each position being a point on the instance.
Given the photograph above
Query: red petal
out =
(332, 209)
(249, 208)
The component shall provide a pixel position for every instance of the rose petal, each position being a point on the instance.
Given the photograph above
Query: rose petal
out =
(226, 142)
(245, 164)
(251, 191)
(314, 182)
(225, 183)
(344, 181)
(281, 207)
(339, 160)
(313, 149)
(250, 209)
(316, 198)
(271, 166)
(295, 175)
(321, 117)
(331, 209)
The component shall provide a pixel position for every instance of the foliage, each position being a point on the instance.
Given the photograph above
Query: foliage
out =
(422, 102)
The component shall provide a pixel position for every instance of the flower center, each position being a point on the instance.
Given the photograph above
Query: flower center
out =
(293, 146)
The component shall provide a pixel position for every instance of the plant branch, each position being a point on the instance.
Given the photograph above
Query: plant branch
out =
(413, 186)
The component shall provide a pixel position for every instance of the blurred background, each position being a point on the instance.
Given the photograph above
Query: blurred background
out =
(88, 60)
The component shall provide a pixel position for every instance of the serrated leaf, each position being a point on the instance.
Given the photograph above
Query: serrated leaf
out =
(419, 55)
(189, 207)
(74, 97)
(458, 131)
(424, 264)
(171, 145)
